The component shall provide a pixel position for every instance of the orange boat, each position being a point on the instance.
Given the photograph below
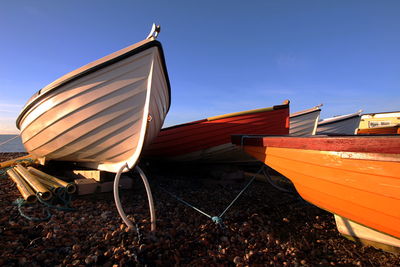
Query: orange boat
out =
(380, 130)
(355, 177)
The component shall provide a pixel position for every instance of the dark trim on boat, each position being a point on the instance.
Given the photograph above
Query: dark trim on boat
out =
(309, 112)
(38, 96)
(280, 106)
(183, 124)
(243, 113)
(388, 144)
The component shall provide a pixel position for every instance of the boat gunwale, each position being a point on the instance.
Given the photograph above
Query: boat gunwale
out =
(340, 143)
(95, 66)
(374, 113)
(305, 112)
(228, 115)
(338, 119)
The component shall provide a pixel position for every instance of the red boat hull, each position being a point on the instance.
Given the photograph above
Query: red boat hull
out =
(203, 135)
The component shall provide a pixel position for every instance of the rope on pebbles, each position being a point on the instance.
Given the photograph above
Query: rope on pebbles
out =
(216, 219)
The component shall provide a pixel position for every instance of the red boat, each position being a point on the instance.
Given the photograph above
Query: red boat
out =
(209, 139)
(354, 177)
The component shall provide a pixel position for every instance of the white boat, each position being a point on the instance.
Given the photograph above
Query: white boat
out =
(102, 114)
(345, 124)
(304, 122)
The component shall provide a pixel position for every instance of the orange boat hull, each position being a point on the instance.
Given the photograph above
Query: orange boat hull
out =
(363, 187)
(380, 130)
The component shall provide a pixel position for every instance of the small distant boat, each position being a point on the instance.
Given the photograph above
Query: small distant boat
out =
(304, 122)
(354, 177)
(380, 119)
(208, 140)
(102, 114)
(395, 129)
(345, 124)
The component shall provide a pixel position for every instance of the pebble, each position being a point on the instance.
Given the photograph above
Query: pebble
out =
(108, 236)
(237, 260)
(89, 259)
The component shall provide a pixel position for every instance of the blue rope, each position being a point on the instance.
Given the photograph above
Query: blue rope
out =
(216, 219)
(3, 171)
(241, 192)
(61, 196)
(20, 202)
(186, 203)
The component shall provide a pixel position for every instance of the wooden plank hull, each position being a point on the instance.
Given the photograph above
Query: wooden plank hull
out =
(354, 177)
(367, 236)
(209, 139)
(101, 119)
(346, 124)
(304, 123)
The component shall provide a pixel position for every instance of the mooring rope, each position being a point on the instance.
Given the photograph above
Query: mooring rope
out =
(20, 202)
(3, 171)
(269, 180)
(61, 195)
(9, 140)
(184, 202)
(52, 205)
(216, 219)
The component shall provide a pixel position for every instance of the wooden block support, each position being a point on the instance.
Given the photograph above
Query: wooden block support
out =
(367, 236)
(97, 175)
(91, 186)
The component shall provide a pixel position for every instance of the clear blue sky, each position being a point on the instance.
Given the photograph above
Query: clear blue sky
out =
(222, 56)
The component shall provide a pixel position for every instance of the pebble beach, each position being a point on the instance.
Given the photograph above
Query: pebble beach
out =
(265, 227)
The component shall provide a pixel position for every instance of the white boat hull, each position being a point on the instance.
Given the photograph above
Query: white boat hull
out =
(304, 124)
(103, 119)
(345, 124)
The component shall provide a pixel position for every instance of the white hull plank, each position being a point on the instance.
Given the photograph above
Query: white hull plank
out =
(304, 124)
(345, 124)
(358, 231)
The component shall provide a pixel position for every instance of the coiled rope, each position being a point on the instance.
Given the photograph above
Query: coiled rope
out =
(20, 202)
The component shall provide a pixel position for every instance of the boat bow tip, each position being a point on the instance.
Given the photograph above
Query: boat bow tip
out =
(155, 30)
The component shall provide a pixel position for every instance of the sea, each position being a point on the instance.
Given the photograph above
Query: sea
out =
(14, 145)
